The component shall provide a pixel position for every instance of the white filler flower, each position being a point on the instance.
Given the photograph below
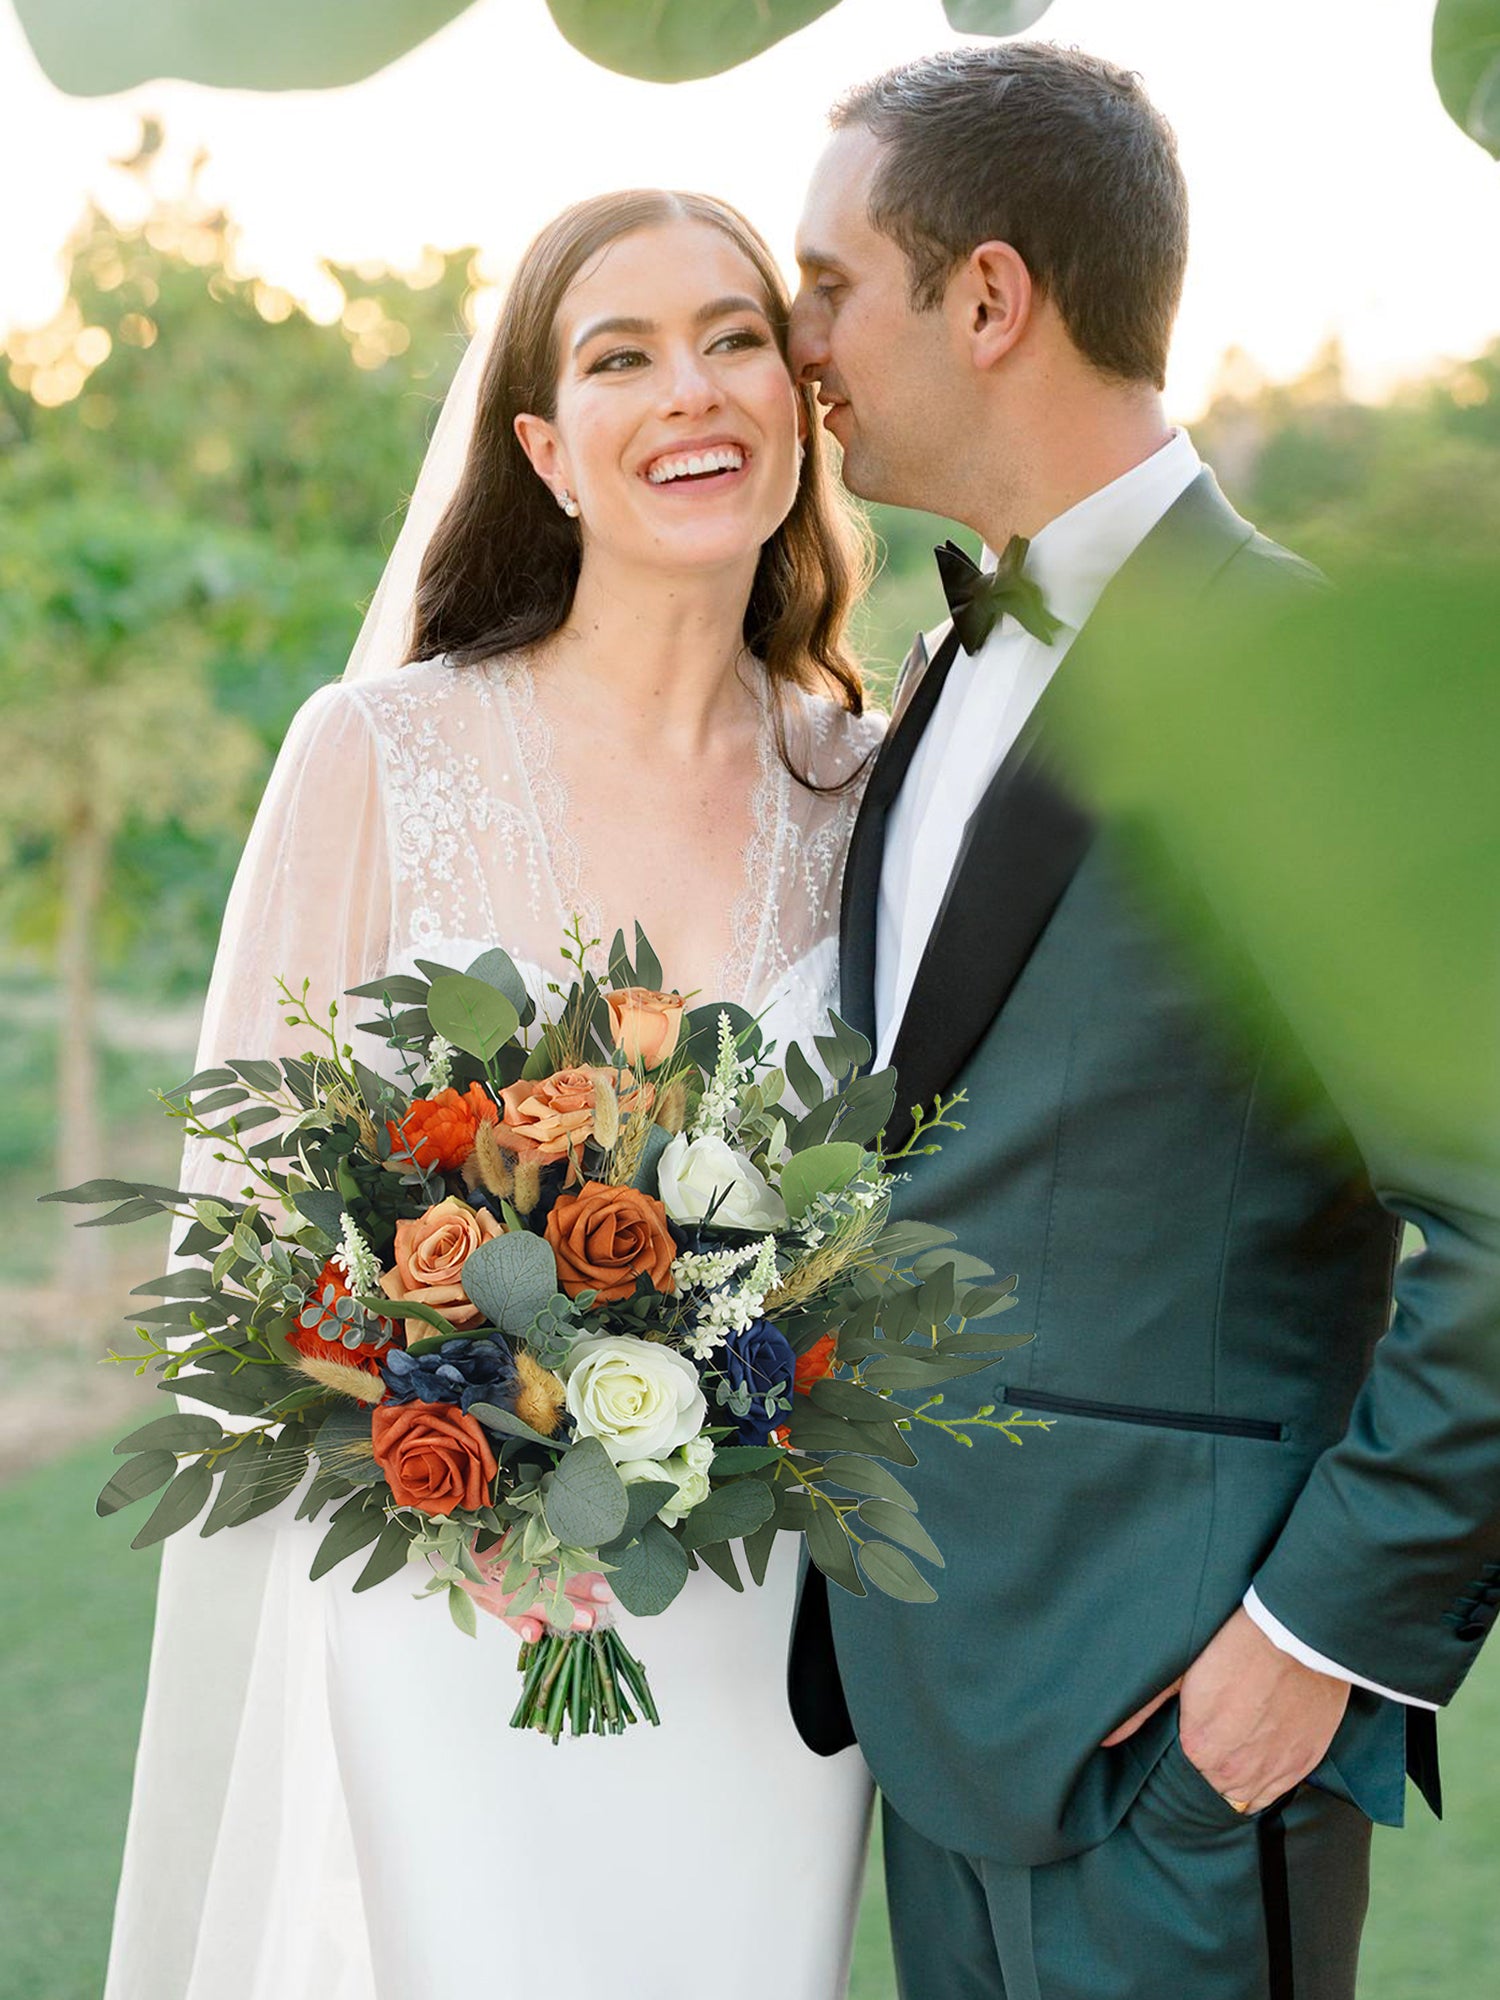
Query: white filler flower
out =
(696, 1175)
(641, 1400)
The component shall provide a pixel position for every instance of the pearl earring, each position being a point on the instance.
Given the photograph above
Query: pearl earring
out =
(568, 504)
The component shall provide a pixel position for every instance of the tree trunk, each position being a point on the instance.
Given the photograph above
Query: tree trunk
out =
(84, 1260)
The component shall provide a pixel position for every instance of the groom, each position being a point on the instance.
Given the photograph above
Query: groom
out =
(1190, 1638)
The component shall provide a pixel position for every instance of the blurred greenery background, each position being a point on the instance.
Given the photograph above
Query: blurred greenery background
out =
(199, 481)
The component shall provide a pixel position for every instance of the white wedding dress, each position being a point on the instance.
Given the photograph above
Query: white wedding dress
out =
(329, 1804)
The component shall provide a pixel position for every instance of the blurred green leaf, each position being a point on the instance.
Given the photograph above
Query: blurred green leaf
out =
(92, 51)
(994, 17)
(1466, 67)
(673, 41)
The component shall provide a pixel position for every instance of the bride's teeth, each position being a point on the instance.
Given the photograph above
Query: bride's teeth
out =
(728, 459)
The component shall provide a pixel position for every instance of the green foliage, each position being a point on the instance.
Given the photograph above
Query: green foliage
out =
(674, 41)
(1466, 67)
(93, 51)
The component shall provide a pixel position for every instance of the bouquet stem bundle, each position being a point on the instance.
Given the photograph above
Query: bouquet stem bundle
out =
(583, 1682)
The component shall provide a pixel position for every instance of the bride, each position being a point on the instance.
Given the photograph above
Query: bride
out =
(617, 610)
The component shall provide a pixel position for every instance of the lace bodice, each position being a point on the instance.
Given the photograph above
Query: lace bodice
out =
(421, 815)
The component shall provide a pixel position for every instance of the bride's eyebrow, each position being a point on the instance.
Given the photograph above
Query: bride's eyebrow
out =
(732, 302)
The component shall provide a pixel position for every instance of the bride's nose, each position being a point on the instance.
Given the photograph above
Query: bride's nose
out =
(691, 386)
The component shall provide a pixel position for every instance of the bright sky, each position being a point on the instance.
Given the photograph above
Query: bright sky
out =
(1331, 195)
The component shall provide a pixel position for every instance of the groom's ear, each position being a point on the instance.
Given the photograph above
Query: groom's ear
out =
(993, 295)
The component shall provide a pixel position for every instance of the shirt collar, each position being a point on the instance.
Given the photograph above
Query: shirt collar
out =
(1073, 558)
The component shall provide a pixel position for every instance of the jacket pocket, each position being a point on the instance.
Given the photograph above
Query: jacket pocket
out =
(1207, 1422)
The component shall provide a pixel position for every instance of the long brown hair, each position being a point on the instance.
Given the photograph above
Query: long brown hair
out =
(502, 566)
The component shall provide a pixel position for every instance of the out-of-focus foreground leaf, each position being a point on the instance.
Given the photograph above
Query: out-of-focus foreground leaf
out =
(994, 17)
(675, 41)
(1329, 781)
(1466, 66)
(90, 51)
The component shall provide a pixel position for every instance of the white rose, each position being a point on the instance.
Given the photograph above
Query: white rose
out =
(687, 1470)
(697, 1175)
(640, 1400)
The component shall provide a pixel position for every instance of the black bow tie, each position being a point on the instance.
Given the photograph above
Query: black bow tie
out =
(978, 602)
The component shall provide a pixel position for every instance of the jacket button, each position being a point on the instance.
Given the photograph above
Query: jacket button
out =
(1474, 1629)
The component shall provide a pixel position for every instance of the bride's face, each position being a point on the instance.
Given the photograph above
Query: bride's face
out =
(676, 423)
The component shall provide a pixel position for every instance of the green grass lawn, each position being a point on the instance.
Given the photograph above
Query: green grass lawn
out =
(73, 1647)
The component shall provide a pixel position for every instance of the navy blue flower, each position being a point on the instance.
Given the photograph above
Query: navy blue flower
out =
(461, 1371)
(754, 1364)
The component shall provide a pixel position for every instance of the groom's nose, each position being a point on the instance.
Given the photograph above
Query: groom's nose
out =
(807, 338)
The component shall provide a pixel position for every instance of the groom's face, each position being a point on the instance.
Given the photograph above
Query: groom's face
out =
(882, 369)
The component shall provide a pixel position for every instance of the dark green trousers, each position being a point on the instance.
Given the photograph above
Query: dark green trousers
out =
(1187, 1899)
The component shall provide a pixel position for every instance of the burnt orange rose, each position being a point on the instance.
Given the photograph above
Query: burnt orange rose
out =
(433, 1456)
(814, 1365)
(430, 1257)
(545, 1119)
(439, 1131)
(604, 1237)
(645, 1024)
(322, 1342)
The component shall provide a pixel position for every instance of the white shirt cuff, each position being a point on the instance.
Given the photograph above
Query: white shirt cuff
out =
(1288, 1642)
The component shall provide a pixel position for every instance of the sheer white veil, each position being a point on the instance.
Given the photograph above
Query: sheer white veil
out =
(385, 635)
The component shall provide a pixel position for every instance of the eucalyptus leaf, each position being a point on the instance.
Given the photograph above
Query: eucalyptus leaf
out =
(647, 1574)
(354, 1526)
(496, 968)
(729, 1513)
(803, 1078)
(646, 1173)
(135, 1479)
(890, 1518)
(495, 1417)
(719, 1557)
(647, 1497)
(183, 1500)
(475, 1016)
(829, 1547)
(867, 1475)
(893, 1572)
(819, 1170)
(586, 1501)
(388, 1557)
(847, 1399)
(757, 1549)
(181, 1432)
(461, 1610)
(235, 1395)
(732, 1459)
(322, 1207)
(511, 1279)
(402, 989)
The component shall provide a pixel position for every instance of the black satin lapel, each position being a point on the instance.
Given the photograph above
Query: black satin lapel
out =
(861, 896)
(1020, 852)
(1027, 835)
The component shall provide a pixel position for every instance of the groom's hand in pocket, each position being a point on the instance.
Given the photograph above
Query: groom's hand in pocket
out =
(1253, 1720)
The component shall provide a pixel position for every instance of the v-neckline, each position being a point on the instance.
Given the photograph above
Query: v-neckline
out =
(561, 856)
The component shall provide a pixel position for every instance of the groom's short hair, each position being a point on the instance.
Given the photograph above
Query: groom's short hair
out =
(1059, 154)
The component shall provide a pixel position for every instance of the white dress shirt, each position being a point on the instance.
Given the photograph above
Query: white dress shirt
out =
(985, 704)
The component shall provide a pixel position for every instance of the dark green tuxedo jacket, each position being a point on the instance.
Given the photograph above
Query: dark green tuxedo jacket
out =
(1205, 1245)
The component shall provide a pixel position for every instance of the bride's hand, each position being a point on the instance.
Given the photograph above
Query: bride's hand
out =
(587, 1594)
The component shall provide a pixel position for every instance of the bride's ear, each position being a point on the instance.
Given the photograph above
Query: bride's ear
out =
(539, 441)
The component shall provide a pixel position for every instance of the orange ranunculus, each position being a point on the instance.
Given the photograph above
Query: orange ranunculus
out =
(814, 1365)
(433, 1456)
(439, 1131)
(545, 1119)
(604, 1237)
(645, 1024)
(317, 1345)
(430, 1257)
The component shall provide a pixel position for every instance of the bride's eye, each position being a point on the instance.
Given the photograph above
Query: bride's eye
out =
(742, 337)
(617, 361)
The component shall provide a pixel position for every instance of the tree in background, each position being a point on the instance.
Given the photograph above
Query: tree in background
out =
(198, 479)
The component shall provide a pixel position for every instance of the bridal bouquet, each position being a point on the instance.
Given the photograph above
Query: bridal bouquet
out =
(609, 1292)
